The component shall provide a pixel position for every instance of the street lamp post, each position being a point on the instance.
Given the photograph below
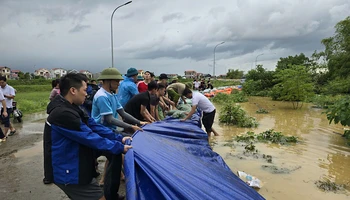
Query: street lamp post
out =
(214, 57)
(112, 28)
(256, 58)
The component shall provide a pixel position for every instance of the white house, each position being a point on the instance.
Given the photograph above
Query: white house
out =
(87, 73)
(5, 71)
(42, 72)
(58, 72)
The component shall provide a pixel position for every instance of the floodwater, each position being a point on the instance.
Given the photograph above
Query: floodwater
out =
(321, 153)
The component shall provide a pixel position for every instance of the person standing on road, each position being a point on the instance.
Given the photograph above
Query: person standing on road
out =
(55, 89)
(9, 94)
(71, 139)
(3, 114)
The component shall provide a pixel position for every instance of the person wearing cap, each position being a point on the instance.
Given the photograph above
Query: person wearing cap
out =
(128, 88)
(105, 110)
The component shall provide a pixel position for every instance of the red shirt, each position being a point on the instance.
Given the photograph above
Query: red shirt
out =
(142, 86)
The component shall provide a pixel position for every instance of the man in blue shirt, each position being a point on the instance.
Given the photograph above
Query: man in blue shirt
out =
(128, 88)
(105, 110)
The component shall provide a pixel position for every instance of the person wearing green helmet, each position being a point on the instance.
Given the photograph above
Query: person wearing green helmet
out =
(105, 110)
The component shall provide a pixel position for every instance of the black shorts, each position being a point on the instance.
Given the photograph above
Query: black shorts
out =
(208, 120)
(90, 191)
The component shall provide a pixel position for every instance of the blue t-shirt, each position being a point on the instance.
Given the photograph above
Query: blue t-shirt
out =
(127, 89)
(105, 103)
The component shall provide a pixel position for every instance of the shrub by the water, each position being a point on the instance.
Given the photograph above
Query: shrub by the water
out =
(235, 115)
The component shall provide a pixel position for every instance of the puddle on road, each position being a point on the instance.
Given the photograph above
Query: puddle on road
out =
(32, 124)
(26, 155)
(322, 152)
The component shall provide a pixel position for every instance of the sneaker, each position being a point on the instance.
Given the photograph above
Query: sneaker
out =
(46, 181)
(3, 139)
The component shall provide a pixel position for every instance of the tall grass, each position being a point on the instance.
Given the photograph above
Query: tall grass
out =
(31, 102)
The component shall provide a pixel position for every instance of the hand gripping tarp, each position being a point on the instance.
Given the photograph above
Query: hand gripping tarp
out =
(173, 160)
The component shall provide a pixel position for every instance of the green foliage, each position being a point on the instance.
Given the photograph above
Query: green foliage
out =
(266, 136)
(33, 88)
(340, 111)
(235, 115)
(31, 102)
(259, 82)
(294, 85)
(324, 101)
(288, 62)
(29, 82)
(234, 74)
(262, 111)
(337, 86)
(337, 50)
(230, 98)
(328, 186)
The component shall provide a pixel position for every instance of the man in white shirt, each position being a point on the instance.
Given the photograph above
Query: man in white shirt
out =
(203, 103)
(3, 114)
(9, 94)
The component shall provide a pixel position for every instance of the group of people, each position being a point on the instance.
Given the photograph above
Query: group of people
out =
(7, 94)
(75, 137)
(201, 85)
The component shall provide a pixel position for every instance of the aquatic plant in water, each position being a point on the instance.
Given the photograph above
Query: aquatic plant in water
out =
(328, 186)
(235, 115)
(267, 136)
(262, 111)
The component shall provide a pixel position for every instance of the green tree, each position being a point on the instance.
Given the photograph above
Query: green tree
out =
(259, 81)
(20, 75)
(294, 85)
(234, 74)
(288, 62)
(337, 50)
(26, 76)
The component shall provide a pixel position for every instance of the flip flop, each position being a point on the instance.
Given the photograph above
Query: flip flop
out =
(12, 132)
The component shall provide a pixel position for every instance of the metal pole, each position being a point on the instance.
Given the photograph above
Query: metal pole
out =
(112, 28)
(214, 57)
(256, 59)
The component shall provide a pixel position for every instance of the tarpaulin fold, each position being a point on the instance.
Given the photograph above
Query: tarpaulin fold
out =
(173, 160)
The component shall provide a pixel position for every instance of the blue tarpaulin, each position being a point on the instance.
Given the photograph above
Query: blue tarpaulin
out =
(173, 160)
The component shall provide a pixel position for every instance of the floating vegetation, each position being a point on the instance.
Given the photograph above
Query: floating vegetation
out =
(267, 136)
(328, 186)
(235, 115)
(262, 111)
(279, 170)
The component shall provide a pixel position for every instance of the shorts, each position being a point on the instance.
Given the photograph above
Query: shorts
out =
(6, 120)
(90, 191)
(208, 120)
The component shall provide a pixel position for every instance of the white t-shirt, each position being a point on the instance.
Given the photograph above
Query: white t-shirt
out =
(197, 84)
(8, 90)
(202, 102)
(1, 99)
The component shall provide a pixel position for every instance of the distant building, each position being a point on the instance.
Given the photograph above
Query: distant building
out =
(58, 72)
(43, 73)
(171, 76)
(5, 71)
(87, 73)
(14, 74)
(190, 74)
(72, 71)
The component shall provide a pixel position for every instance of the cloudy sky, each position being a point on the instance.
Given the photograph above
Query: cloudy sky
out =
(168, 36)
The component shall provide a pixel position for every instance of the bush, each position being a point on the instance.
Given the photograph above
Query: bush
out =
(33, 88)
(29, 82)
(266, 136)
(231, 114)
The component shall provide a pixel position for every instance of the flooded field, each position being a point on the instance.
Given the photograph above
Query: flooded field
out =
(321, 154)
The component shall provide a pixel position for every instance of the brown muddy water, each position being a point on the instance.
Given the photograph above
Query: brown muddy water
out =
(321, 153)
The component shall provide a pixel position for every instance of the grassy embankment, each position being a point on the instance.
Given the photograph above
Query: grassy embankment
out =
(32, 95)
